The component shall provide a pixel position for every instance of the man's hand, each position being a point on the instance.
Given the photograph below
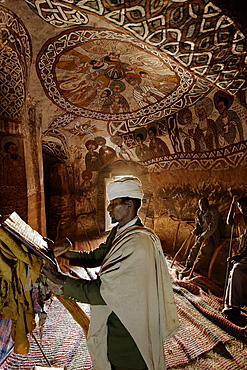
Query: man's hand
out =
(62, 247)
(52, 272)
(63, 263)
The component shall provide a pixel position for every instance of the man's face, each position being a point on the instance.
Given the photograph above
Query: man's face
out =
(104, 94)
(99, 84)
(133, 82)
(118, 211)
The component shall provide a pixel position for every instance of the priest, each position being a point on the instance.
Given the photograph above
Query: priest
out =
(133, 309)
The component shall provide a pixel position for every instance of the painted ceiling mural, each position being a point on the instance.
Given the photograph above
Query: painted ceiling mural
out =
(156, 83)
(149, 91)
(151, 105)
(195, 33)
(107, 75)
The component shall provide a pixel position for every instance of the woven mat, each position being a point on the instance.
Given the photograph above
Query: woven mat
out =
(205, 340)
(5, 337)
(63, 340)
(202, 328)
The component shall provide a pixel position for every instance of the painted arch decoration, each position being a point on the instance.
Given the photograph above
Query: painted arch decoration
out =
(15, 61)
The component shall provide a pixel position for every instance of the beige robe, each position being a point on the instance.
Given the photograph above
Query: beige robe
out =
(135, 285)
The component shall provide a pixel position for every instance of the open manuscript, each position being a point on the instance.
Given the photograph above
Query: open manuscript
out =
(28, 236)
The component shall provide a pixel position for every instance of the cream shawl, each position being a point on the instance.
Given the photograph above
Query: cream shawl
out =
(135, 285)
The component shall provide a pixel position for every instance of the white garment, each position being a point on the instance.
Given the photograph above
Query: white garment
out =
(136, 285)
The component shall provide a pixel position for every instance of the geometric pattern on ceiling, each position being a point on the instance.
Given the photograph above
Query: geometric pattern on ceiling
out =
(196, 33)
(79, 65)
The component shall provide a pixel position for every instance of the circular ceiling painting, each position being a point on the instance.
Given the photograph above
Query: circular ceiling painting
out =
(109, 75)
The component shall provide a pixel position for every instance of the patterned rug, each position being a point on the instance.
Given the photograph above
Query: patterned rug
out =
(63, 340)
(6, 342)
(205, 340)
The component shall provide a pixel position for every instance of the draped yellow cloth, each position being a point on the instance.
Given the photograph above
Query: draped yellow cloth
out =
(77, 313)
(18, 270)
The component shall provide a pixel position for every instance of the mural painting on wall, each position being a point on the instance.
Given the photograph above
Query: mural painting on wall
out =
(208, 134)
(63, 197)
(15, 60)
(108, 77)
(190, 133)
(85, 200)
(212, 132)
(13, 191)
(121, 101)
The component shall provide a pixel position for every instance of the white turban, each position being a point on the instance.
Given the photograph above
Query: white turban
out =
(125, 187)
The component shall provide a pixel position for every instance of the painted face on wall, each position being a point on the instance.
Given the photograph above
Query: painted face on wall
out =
(151, 134)
(114, 57)
(202, 114)
(221, 107)
(187, 117)
(98, 64)
(13, 151)
(117, 89)
(138, 139)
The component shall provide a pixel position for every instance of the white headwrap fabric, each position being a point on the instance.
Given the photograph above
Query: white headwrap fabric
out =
(125, 187)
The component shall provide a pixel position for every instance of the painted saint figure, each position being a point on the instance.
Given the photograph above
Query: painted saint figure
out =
(92, 159)
(157, 146)
(13, 166)
(229, 125)
(143, 94)
(209, 137)
(106, 153)
(142, 150)
(122, 151)
(116, 103)
(187, 131)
